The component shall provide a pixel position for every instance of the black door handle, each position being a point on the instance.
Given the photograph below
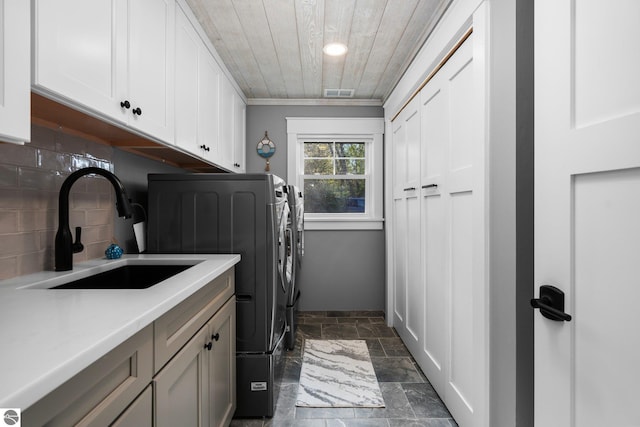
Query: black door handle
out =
(551, 304)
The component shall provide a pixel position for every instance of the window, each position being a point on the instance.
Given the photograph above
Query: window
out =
(337, 162)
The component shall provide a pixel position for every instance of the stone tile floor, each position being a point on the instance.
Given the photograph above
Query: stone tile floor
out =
(410, 400)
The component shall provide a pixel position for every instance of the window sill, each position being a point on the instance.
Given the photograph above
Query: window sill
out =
(343, 224)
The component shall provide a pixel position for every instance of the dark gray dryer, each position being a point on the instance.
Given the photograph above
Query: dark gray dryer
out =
(244, 214)
(295, 237)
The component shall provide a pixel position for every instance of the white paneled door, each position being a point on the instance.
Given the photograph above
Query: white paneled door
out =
(438, 230)
(587, 211)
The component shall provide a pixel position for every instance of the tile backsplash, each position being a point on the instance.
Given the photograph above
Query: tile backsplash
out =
(30, 178)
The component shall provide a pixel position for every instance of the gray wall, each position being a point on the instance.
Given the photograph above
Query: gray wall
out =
(132, 170)
(342, 270)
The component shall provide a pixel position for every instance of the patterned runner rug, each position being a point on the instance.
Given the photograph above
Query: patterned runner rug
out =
(338, 374)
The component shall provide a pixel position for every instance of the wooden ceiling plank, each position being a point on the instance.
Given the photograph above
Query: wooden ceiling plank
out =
(202, 15)
(422, 22)
(280, 15)
(310, 24)
(338, 17)
(386, 41)
(256, 27)
(230, 34)
(366, 20)
(283, 58)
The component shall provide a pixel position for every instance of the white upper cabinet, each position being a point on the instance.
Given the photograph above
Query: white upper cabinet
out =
(209, 75)
(239, 134)
(15, 111)
(186, 112)
(232, 128)
(112, 58)
(226, 123)
(151, 67)
(79, 51)
(197, 92)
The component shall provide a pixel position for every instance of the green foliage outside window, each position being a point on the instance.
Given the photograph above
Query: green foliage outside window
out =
(334, 177)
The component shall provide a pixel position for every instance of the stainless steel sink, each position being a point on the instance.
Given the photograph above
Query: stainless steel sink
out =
(131, 276)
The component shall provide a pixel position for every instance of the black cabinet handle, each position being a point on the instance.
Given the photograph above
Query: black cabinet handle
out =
(208, 345)
(137, 111)
(551, 304)
(409, 188)
(204, 147)
(125, 104)
(215, 337)
(430, 186)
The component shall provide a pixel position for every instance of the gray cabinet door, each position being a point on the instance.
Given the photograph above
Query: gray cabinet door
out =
(100, 393)
(222, 365)
(182, 386)
(139, 413)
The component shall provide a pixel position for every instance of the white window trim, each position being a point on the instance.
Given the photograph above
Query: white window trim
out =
(370, 130)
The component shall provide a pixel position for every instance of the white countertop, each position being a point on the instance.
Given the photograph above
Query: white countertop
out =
(48, 336)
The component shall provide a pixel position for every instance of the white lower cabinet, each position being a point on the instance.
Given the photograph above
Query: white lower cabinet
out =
(179, 371)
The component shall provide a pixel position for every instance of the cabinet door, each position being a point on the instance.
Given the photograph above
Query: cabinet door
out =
(226, 123)
(139, 413)
(222, 365)
(100, 393)
(80, 52)
(150, 62)
(176, 327)
(239, 133)
(182, 386)
(187, 45)
(208, 103)
(15, 117)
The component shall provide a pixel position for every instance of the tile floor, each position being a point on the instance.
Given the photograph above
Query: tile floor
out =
(410, 400)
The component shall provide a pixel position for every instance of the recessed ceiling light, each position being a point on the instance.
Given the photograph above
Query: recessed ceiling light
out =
(335, 49)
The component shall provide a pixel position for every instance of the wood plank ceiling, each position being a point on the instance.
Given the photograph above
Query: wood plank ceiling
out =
(273, 48)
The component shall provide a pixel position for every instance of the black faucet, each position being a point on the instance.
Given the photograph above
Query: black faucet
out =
(65, 248)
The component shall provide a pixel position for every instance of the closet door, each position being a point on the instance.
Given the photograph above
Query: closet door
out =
(434, 231)
(463, 209)
(399, 226)
(452, 233)
(412, 330)
(409, 310)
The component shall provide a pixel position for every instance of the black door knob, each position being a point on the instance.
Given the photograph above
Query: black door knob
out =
(551, 304)
(137, 111)
(215, 337)
(125, 104)
(208, 345)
